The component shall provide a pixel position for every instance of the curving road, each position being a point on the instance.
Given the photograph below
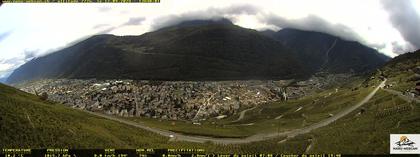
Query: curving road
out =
(242, 114)
(253, 138)
(402, 96)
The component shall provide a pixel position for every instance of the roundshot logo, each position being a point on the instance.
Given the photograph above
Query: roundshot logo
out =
(404, 143)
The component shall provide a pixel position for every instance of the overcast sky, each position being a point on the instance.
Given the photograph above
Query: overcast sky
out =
(31, 30)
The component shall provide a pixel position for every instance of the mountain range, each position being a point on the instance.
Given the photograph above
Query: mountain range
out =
(204, 50)
(324, 52)
(26, 119)
(3, 79)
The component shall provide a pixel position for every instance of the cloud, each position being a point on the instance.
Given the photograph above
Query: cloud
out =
(312, 23)
(235, 10)
(134, 21)
(5, 73)
(107, 30)
(28, 55)
(309, 23)
(397, 48)
(4, 67)
(405, 19)
(99, 26)
(5, 35)
(104, 9)
(270, 19)
(377, 46)
(211, 13)
(131, 22)
(401, 48)
(8, 65)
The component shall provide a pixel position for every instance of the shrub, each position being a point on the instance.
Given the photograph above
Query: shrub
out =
(44, 96)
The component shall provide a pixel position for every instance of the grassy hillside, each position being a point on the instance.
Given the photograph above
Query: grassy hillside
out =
(386, 113)
(368, 133)
(28, 122)
(401, 71)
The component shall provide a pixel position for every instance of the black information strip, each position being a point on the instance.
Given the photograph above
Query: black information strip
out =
(148, 153)
(101, 152)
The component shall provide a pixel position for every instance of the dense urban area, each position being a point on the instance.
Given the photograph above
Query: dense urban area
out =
(175, 100)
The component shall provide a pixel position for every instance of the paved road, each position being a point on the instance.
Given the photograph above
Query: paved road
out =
(402, 96)
(253, 138)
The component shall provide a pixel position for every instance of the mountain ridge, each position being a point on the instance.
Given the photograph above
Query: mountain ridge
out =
(192, 50)
(323, 51)
(210, 52)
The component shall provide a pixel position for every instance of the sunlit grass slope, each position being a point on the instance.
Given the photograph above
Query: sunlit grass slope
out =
(28, 122)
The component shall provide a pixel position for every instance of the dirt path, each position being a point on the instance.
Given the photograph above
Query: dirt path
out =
(309, 146)
(29, 119)
(278, 117)
(253, 138)
(242, 114)
(327, 54)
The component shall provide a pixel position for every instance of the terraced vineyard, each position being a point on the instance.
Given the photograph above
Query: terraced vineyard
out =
(26, 121)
